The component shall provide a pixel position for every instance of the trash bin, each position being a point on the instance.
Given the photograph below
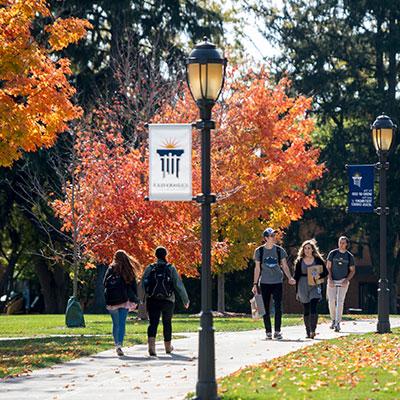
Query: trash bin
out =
(74, 314)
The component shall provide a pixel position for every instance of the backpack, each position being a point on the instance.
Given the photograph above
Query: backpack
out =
(115, 290)
(158, 283)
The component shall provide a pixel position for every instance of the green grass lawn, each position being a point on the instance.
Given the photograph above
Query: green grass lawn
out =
(352, 367)
(99, 324)
(24, 355)
(19, 356)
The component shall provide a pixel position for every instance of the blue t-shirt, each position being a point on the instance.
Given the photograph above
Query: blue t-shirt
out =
(271, 271)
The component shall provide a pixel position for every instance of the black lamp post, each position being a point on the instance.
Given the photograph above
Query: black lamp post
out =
(383, 133)
(205, 75)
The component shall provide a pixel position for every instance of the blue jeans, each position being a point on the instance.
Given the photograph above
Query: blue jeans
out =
(119, 319)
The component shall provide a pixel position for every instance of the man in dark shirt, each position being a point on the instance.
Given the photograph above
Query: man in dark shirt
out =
(341, 268)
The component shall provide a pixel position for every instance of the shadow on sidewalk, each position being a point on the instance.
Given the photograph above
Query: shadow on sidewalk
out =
(299, 340)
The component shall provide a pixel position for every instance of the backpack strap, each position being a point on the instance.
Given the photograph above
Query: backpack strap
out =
(261, 248)
(279, 252)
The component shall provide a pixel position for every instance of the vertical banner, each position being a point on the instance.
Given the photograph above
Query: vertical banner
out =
(170, 150)
(361, 188)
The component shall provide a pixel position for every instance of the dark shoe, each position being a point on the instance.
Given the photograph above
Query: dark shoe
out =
(151, 341)
(333, 324)
(337, 327)
(168, 347)
(268, 336)
(313, 323)
(312, 335)
(278, 336)
(119, 351)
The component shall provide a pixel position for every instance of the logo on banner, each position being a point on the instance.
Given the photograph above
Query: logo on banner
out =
(357, 177)
(170, 157)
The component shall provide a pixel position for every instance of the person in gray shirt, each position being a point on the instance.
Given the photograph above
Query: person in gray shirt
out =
(270, 260)
(341, 269)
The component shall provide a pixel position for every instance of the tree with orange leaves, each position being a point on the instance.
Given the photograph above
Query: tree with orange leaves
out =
(262, 163)
(111, 213)
(35, 95)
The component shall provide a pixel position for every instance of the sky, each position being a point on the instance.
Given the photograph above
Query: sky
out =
(254, 42)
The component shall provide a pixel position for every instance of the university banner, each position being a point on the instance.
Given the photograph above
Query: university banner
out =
(170, 153)
(361, 188)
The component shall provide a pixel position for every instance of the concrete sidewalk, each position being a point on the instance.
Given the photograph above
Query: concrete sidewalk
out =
(137, 376)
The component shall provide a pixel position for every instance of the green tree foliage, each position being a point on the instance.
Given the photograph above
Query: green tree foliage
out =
(155, 28)
(345, 55)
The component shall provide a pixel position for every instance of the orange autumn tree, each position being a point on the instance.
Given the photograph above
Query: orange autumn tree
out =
(262, 161)
(35, 95)
(111, 210)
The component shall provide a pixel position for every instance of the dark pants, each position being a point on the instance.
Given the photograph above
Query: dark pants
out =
(274, 289)
(311, 307)
(156, 308)
(311, 315)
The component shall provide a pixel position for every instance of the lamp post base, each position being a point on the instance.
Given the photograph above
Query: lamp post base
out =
(383, 327)
(207, 393)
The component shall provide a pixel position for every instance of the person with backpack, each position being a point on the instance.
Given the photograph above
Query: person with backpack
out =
(341, 269)
(309, 264)
(270, 260)
(160, 282)
(120, 292)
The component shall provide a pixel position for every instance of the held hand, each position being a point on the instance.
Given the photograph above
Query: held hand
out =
(345, 282)
(186, 305)
(292, 281)
(255, 289)
(330, 283)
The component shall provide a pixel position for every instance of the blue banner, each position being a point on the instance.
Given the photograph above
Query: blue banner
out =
(361, 188)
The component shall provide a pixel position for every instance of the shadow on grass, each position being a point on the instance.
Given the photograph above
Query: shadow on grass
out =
(22, 356)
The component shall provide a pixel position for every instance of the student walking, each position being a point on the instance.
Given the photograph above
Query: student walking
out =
(120, 292)
(341, 269)
(309, 269)
(270, 260)
(160, 282)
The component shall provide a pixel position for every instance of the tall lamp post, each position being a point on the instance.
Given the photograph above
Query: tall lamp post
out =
(383, 133)
(205, 75)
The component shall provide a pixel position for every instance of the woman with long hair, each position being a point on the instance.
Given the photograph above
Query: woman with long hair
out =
(120, 291)
(309, 293)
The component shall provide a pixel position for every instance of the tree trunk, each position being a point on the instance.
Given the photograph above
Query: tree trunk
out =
(7, 280)
(54, 286)
(99, 305)
(379, 54)
(221, 293)
(392, 81)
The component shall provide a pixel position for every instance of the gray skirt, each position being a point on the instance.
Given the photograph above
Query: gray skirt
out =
(305, 292)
